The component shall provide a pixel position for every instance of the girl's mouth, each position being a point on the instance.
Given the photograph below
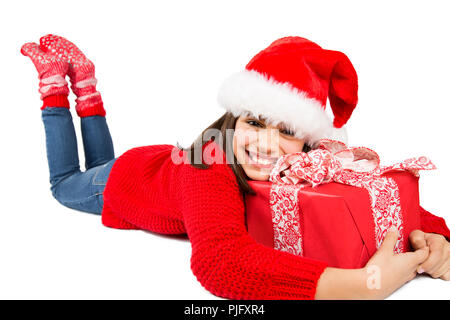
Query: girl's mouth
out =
(260, 160)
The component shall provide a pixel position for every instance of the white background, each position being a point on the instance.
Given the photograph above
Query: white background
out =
(159, 66)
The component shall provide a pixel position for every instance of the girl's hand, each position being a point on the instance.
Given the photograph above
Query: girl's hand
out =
(437, 263)
(383, 274)
(388, 271)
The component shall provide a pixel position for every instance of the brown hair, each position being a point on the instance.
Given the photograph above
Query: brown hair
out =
(227, 121)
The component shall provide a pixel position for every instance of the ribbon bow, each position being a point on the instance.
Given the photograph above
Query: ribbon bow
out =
(334, 161)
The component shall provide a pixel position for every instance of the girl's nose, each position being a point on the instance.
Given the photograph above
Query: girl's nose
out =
(269, 142)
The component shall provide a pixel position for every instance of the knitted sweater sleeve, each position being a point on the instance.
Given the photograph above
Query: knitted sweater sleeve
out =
(225, 259)
(433, 224)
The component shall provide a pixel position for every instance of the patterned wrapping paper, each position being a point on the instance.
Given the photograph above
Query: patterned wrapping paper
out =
(332, 163)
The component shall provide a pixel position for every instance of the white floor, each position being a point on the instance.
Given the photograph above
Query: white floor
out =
(48, 251)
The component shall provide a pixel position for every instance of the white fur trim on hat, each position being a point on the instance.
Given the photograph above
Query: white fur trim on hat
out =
(250, 92)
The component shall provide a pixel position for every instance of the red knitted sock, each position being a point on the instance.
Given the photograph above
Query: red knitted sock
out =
(81, 73)
(52, 71)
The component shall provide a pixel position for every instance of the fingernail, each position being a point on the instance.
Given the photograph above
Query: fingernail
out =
(420, 270)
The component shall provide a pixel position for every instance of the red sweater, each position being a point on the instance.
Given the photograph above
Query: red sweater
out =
(147, 190)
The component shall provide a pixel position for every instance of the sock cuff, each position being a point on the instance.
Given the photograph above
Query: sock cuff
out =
(56, 100)
(91, 110)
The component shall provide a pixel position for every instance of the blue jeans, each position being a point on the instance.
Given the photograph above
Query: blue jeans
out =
(69, 185)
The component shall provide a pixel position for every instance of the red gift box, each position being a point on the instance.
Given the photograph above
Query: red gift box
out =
(335, 221)
(335, 204)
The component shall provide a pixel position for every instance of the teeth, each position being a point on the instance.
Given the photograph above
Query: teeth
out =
(260, 160)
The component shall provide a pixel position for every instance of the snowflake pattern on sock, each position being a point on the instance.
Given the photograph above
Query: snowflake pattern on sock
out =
(81, 73)
(52, 70)
(80, 66)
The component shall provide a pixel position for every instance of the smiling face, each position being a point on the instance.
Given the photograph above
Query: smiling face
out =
(257, 146)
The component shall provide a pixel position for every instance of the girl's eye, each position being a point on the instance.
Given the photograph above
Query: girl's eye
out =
(254, 123)
(287, 132)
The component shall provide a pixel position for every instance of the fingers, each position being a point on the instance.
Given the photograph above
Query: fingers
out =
(438, 261)
(390, 240)
(441, 271)
(446, 276)
(417, 239)
(433, 263)
(417, 257)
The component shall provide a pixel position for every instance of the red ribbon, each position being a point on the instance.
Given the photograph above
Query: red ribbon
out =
(334, 161)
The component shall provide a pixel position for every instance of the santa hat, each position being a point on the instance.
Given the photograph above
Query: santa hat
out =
(289, 82)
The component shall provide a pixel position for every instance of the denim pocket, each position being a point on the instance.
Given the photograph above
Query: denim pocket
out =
(102, 173)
